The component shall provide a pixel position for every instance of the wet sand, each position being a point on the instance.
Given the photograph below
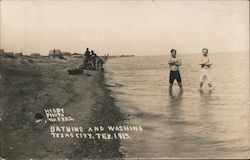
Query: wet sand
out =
(29, 85)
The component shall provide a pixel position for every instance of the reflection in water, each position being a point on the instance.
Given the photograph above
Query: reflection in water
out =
(173, 96)
(175, 115)
(205, 96)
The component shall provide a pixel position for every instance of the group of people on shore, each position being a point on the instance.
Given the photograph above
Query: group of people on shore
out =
(91, 60)
(175, 63)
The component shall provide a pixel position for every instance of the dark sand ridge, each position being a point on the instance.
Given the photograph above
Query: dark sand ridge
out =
(29, 85)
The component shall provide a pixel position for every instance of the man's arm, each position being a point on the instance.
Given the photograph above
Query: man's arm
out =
(204, 62)
(178, 63)
(170, 62)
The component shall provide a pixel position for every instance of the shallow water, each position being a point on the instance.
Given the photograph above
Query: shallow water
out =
(190, 125)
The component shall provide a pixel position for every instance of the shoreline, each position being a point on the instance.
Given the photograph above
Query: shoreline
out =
(30, 86)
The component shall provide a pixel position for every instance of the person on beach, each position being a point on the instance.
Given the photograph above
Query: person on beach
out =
(93, 59)
(174, 64)
(99, 62)
(205, 69)
(86, 58)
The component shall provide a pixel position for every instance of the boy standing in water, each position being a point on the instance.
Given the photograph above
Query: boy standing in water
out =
(205, 69)
(174, 64)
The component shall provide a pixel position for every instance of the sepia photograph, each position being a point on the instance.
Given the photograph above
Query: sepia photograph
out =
(124, 79)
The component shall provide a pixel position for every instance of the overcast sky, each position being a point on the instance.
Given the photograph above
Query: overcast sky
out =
(129, 27)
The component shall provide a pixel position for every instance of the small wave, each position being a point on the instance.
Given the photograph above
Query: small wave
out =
(118, 85)
(148, 128)
(114, 85)
(178, 122)
(145, 115)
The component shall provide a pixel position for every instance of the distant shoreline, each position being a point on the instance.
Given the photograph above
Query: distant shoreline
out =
(119, 54)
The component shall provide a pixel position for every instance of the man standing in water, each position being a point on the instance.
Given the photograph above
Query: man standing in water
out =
(205, 69)
(174, 64)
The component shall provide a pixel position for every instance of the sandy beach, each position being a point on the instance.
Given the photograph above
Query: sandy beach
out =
(30, 85)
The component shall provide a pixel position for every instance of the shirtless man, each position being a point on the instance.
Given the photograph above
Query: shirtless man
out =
(174, 64)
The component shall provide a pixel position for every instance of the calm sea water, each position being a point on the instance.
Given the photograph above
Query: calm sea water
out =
(190, 125)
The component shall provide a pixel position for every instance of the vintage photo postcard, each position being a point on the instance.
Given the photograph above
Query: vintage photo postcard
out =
(127, 79)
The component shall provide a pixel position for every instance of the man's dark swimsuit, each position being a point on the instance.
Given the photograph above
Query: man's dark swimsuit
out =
(174, 75)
